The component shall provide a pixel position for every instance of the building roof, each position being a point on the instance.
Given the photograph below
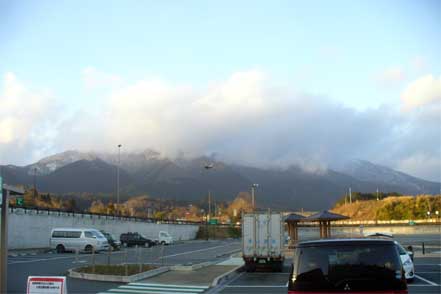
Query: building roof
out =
(325, 216)
(293, 217)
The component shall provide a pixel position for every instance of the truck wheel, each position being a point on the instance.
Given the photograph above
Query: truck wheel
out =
(60, 248)
(250, 267)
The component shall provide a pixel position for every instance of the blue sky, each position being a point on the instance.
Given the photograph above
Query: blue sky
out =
(360, 54)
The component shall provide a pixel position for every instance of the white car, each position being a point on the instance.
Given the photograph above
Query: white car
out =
(165, 238)
(406, 260)
(73, 239)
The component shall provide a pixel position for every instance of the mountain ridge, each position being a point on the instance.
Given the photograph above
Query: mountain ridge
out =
(187, 179)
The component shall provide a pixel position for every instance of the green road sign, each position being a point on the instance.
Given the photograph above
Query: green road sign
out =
(213, 222)
(19, 201)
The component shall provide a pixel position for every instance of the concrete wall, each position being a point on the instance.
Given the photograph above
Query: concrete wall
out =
(32, 230)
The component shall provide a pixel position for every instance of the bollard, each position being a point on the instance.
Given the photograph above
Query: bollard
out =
(162, 254)
(93, 260)
(424, 249)
(138, 259)
(126, 266)
(109, 252)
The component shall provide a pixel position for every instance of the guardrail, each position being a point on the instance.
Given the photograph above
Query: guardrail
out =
(60, 212)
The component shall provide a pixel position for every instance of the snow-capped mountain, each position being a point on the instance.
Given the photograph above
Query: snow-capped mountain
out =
(367, 171)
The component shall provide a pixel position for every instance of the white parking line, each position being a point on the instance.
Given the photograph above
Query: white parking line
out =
(193, 251)
(425, 280)
(255, 286)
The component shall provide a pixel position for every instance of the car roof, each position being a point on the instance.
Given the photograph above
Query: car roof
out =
(348, 241)
(74, 229)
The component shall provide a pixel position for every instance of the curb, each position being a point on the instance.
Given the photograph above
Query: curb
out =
(183, 267)
(226, 276)
(120, 279)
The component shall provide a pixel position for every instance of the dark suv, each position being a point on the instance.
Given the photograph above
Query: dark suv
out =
(133, 239)
(347, 266)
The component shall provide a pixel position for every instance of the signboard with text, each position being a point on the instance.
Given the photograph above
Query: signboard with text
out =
(46, 285)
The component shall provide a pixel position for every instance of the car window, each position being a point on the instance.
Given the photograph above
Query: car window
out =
(88, 234)
(401, 250)
(332, 267)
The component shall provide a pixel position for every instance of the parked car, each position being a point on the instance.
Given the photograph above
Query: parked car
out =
(133, 239)
(70, 239)
(347, 266)
(407, 261)
(116, 244)
(406, 256)
(164, 238)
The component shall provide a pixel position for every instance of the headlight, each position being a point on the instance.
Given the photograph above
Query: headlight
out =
(407, 263)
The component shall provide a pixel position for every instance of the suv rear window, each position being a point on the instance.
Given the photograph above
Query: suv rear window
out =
(348, 268)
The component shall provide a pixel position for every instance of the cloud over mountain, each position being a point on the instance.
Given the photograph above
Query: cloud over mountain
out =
(246, 118)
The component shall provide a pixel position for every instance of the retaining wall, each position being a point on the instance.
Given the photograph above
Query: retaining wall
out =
(32, 229)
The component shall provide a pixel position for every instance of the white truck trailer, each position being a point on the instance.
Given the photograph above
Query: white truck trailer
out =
(262, 241)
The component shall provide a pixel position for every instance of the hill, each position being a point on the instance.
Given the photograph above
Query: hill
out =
(391, 208)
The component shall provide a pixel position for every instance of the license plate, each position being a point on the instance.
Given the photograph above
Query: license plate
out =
(262, 261)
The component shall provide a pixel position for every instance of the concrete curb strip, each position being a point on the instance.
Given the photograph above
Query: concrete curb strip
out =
(182, 267)
(120, 279)
(225, 276)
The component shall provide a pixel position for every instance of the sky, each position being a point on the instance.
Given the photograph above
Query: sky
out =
(312, 83)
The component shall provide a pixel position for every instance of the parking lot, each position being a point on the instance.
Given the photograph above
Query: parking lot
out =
(428, 270)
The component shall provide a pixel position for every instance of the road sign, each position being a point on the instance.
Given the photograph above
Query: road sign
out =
(19, 201)
(46, 285)
(213, 221)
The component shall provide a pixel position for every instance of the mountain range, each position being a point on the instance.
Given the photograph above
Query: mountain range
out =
(185, 179)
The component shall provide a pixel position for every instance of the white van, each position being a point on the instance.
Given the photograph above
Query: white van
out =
(72, 239)
(165, 238)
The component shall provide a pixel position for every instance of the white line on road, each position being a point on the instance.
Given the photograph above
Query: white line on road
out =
(41, 259)
(255, 286)
(193, 251)
(427, 281)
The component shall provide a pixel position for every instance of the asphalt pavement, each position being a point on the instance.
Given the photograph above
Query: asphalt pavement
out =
(52, 264)
(427, 280)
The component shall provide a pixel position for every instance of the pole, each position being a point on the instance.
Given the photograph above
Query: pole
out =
(377, 195)
(209, 204)
(252, 197)
(117, 179)
(350, 195)
(4, 242)
(35, 183)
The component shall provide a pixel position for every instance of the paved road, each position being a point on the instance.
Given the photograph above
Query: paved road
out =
(20, 267)
(428, 270)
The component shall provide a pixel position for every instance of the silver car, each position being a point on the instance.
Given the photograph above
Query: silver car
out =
(77, 239)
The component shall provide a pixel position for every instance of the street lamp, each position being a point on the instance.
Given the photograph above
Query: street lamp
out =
(253, 188)
(207, 167)
(117, 178)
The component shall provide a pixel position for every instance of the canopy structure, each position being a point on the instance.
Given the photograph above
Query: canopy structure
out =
(325, 218)
(292, 220)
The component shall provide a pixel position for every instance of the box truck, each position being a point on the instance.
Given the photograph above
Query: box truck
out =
(262, 241)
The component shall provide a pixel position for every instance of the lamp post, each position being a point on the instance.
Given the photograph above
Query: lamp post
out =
(207, 167)
(253, 201)
(428, 216)
(117, 179)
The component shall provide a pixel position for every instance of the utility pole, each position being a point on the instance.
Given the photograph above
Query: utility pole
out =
(35, 183)
(253, 200)
(117, 211)
(350, 195)
(209, 205)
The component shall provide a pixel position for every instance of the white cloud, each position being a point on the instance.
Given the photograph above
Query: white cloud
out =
(244, 118)
(390, 77)
(24, 113)
(423, 91)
